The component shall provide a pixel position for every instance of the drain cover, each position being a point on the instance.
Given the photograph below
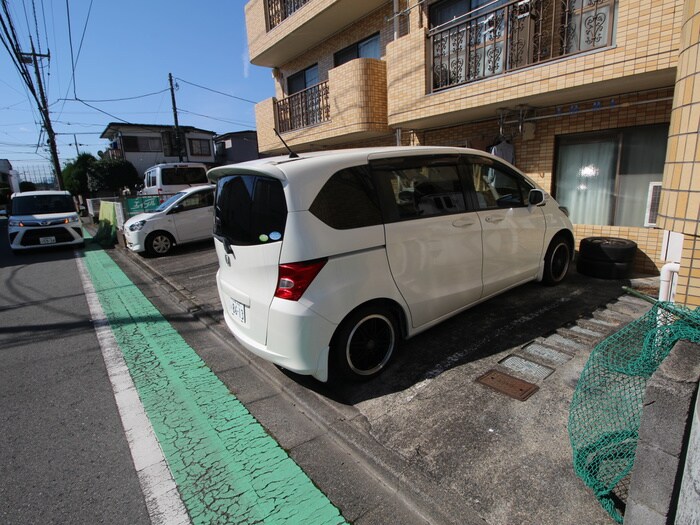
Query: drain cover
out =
(544, 352)
(526, 367)
(508, 385)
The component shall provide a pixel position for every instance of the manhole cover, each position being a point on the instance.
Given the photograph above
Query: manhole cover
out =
(508, 385)
(526, 367)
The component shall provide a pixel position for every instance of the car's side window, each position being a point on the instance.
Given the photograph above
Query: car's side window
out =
(418, 188)
(497, 188)
(198, 200)
(348, 200)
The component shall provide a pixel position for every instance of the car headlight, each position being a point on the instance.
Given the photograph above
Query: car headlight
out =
(71, 218)
(137, 226)
(15, 223)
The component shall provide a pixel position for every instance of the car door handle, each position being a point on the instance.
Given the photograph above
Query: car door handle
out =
(494, 218)
(463, 223)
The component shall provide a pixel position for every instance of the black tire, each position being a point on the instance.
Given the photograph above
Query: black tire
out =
(607, 249)
(159, 243)
(556, 261)
(603, 269)
(364, 344)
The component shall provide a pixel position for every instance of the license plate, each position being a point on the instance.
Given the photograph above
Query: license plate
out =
(238, 311)
(47, 240)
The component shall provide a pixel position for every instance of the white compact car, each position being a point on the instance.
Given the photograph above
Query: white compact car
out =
(328, 260)
(187, 216)
(43, 218)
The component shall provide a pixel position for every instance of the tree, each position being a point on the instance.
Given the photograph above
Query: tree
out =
(76, 173)
(111, 175)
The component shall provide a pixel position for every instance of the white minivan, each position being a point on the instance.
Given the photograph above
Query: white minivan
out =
(165, 179)
(328, 260)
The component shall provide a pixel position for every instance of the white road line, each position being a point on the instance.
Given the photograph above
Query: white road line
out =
(163, 501)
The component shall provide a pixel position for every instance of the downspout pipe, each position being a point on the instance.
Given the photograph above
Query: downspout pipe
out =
(667, 285)
(396, 20)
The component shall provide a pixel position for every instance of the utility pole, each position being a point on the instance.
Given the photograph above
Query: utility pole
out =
(178, 143)
(44, 110)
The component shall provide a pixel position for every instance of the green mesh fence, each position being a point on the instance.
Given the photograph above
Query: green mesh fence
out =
(606, 409)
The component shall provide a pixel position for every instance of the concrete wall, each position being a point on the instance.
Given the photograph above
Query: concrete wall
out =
(663, 441)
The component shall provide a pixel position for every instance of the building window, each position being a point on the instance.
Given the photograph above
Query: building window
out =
(135, 143)
(367, 48)
(604, 178)
(200, 147)
(303, 79)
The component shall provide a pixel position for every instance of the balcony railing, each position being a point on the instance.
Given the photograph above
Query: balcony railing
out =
(485, 43)
(303, 109)
(278, 10)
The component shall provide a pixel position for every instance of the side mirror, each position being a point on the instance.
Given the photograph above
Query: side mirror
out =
(536, 198)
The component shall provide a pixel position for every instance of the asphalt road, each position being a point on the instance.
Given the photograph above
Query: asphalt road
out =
(438, 435)
(64, 457)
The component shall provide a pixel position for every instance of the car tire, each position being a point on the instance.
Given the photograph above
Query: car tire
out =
(364, 344)
(607, 249)
(159, 243)
(556, 261)
(603, 269)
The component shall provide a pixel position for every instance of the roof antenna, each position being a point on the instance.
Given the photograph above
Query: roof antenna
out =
(292, 155)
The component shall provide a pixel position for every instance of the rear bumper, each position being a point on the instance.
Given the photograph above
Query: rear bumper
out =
(297, 338)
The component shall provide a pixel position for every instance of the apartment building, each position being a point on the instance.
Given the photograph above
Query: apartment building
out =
(594, 99)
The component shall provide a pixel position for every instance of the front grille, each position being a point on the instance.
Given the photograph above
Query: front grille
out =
(31, 237)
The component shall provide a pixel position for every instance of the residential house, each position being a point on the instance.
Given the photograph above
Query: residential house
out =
(237, 146)
(145, 145)
(594, 98)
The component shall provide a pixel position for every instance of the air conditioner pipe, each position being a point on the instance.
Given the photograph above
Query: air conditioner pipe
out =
(667, 285)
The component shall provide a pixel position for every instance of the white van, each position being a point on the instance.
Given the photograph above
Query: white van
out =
(328, 260)
(171, 178)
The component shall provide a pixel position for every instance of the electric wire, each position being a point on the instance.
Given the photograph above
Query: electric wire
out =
(236, 123)
(215, 91)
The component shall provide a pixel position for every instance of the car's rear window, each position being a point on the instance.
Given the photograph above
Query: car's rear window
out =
(249, 210)
(183, 175)
(38, 204)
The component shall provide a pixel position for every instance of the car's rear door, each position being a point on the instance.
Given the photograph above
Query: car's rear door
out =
(433, 243)
(249, 220)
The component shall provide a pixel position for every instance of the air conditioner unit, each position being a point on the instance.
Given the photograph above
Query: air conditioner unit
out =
(653, 198)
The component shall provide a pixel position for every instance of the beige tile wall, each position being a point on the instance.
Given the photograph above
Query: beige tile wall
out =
(680, 197)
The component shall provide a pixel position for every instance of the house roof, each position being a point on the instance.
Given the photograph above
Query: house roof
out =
(115, 127)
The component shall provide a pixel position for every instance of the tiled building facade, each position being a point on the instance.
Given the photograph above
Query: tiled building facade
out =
(562, 81)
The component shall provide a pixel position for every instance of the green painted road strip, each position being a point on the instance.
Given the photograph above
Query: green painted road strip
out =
(227, 468)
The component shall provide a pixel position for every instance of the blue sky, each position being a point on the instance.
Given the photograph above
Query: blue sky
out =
(128, 49)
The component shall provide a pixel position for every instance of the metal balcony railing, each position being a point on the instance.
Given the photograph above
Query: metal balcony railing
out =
(304, 108)
(492, 40)
(278, 10)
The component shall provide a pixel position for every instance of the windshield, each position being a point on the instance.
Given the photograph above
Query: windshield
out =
(164, 205)
(38, 204)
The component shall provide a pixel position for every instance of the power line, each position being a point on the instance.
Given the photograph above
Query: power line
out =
(214, 118)
(215, 91)
(112, 99)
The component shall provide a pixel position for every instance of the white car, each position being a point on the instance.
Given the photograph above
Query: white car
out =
(43, 218)
(187, 216)
(328, 260)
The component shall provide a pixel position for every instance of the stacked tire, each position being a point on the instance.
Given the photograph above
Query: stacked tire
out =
(606, 257)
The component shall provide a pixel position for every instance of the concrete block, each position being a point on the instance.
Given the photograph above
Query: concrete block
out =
(653, 478)
(666, 413)
(637, 514)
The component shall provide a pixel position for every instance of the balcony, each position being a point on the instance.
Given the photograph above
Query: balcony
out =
(351, 105)
(303, 109)
(280, 30)
(485, 43)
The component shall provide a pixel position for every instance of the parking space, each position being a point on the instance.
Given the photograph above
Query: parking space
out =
(509, 460)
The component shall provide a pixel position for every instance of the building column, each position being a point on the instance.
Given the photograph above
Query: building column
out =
(679, 210)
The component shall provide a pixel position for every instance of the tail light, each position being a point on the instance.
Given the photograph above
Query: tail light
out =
(295, 278)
